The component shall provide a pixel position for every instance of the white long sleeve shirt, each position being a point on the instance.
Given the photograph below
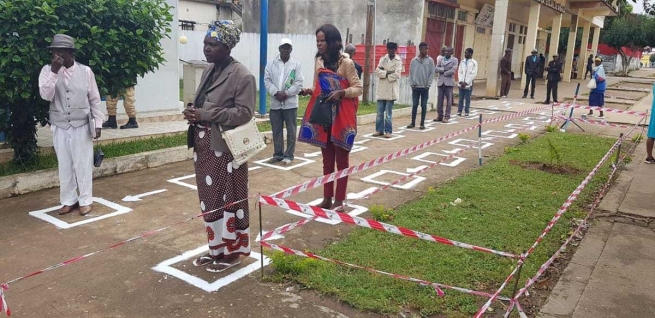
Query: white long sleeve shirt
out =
(48, 80)
(283, 77)
(468, 71)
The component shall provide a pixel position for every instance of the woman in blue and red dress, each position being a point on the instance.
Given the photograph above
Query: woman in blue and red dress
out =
(335, 76)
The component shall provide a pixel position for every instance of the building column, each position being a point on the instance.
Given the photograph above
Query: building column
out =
(542, 38)
(496, 54)
(584, 44)
(594, 43)
(570, 49)
(531, 37)
(554, 35)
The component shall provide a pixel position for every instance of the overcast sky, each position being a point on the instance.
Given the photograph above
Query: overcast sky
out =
(638, 7)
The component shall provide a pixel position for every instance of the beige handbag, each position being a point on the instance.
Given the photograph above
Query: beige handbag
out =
(244, 141)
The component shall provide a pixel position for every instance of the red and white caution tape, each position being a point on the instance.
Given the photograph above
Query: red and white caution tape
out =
(319, 181)
(493, 297)
(372, 224)
(607, 110)
(437, 287)
(582, 224)
(595, 122)
(4, 307)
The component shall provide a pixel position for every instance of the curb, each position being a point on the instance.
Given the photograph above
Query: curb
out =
(24, 183)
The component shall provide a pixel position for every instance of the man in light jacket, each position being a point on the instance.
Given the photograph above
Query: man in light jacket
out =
(388, 73)
(71, 89)
(468, 70)
(283, 80)
(446, 68)
(421, 74)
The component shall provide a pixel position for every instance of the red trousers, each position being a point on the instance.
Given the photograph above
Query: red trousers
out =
(334, 154)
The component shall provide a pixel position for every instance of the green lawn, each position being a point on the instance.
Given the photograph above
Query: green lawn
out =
(505, 207)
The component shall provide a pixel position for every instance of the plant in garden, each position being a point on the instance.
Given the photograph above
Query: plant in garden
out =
(119, 40)
(554, 153)
(380, 213)
(637, 138)
(551, 129)
(524, 137)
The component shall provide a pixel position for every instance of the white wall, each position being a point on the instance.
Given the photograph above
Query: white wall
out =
(247, 51)
(160, 90)
(200, 12)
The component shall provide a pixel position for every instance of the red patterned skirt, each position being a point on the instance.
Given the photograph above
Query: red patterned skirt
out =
(219, 184)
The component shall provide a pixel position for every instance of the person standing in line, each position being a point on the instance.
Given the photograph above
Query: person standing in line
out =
(468, 71)
(335, 84)
(283, 80)
(651, 134)
(129, 101)
(388, 73)
(590, 66)
(554, 69)
(506, 73)
(446, 69)
(74, 98)
(224, 100)
(421, 74)
(597, 95)
(531, 72)
(351, 50)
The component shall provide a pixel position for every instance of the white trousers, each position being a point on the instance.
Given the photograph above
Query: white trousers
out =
(74, 148)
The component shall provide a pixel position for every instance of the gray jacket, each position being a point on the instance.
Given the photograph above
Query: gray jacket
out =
(446, 70)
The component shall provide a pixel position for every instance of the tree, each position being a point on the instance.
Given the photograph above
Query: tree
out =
(118, 39)
(631, 32)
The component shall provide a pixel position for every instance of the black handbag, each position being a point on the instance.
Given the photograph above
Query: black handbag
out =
(98, 155)
(322, 112)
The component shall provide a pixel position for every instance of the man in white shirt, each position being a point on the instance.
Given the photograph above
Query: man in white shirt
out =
(468, 70)
(283, 80)
(71, 89)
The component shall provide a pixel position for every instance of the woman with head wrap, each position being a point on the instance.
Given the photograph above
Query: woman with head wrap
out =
(337, 86)
(225, 99)
(597, 95)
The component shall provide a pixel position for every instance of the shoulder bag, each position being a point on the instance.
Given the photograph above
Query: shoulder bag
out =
(592, 83)
(244, 141)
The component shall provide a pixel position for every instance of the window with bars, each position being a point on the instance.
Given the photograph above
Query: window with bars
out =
(437, 10)
(462, 16)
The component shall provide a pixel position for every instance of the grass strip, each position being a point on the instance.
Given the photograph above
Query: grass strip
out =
(504, 207)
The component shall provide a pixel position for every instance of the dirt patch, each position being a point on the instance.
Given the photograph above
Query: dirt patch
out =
(554, 169)
(623, 94)
(633, 85)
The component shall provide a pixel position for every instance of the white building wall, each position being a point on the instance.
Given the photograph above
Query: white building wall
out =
(200, 12)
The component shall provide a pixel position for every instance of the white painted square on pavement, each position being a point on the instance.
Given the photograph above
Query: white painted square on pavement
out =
(300, 162)
(528, 126)
(468, 142)
(509, 133)
(166, 268)
(352, 210)
(43, 214)
(179, 181)
(393, 137)
(456, 160)
(406, 186)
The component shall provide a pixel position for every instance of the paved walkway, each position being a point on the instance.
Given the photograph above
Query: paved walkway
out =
(612, 272)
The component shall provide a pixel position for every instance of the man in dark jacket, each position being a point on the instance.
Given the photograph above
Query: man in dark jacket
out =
(531, 71)
(554, 69)
(506, 73)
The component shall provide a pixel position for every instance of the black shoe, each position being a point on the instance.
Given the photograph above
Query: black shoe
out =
(110, 123)
(131, 123)
(547, 102)
(422, 128)
(531, 97)
(411, 126)
(524, 96)
(649, 161)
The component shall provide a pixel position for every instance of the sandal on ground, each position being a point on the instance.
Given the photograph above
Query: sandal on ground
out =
(203, 260)
(217, 267)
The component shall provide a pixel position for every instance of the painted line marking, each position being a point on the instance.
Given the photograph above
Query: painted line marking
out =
(303, 162)
(472, 143)
(165, 267)
(456, 160)
(43, 214)
(406, 186)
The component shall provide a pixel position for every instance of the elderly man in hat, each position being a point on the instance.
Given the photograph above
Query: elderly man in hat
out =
(531, 72)
(75, 120)
(554, 69)
(283, 81)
